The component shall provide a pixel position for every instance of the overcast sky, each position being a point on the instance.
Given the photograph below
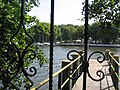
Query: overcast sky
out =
(66, 11)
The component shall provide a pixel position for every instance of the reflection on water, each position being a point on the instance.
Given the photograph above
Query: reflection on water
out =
(60, 53)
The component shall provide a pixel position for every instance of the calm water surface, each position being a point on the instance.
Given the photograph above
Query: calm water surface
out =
(60, 53)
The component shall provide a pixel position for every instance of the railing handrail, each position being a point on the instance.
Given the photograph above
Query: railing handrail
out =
(114, 59)
(71, 75)
(114, 69)
(57, 73)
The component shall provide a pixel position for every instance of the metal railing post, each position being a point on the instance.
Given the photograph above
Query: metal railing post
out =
(116, 71)
(107, 57)
(51, 45)
(85, 67)
(68, 85)
(74, 66)
(59, 81)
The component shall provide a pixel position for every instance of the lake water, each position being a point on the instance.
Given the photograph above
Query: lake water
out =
(60, 53)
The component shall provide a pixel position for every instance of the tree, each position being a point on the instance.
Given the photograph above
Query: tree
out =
(15, 42)
(64, 33)
(99, 35)
(105, 11)
(40, 31)
(57, 33)
(67, 32)
(110, 35)
(95, 32)
(79, 33)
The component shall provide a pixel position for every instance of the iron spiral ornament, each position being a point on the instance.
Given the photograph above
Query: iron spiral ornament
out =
(85, 61)
(16, 57)
(99, 59)
(70, 72)
(69, 54)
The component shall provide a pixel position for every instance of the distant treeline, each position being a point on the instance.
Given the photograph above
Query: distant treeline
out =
(70, 33)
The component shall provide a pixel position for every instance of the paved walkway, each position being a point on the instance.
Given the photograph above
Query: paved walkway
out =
(105, 84)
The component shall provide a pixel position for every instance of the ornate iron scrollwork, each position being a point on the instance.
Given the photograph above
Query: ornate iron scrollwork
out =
(100, 59)
(69, 54)
(16, 58)
(85, 63)
(70, 72)
(99, 73)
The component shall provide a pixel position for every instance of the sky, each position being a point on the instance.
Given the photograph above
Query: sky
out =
(65, 12)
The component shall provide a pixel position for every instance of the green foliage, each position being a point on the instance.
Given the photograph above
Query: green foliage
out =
(11, 53)
(105, 11)
(40, 31)
(95, 32)
(67, 32)
(79, 33)
(108, 35)
(100, 35)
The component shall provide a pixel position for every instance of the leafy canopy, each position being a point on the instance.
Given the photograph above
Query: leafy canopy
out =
(105, 11)
(10, 53)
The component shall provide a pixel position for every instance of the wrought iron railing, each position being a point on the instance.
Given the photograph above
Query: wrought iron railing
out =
(16, 58)
(114, 65)
(85, 64)
(73, 70)
(51, 45)
(65, 69)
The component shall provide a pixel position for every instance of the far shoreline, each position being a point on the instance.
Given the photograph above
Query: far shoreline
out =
(79, 44)
(90, 45)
